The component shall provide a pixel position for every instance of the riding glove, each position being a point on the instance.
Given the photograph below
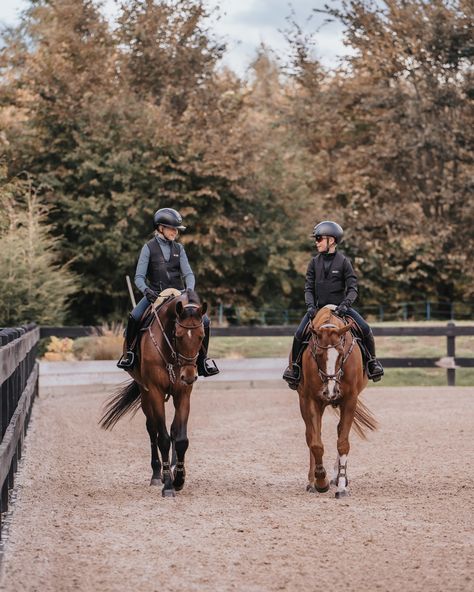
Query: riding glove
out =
(151, 295)
(342, 308)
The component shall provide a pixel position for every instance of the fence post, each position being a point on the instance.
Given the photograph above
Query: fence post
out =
(220, 317)
(380, 313)
(428, 311)
(451, 351)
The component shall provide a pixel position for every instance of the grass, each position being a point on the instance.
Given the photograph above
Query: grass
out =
(387, 347)
(423, 377)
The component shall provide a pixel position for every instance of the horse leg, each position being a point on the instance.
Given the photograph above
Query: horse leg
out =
(312, 414)
(335, 470)
(343, 446)
(155, 460)
(157, 402)
(179, 436)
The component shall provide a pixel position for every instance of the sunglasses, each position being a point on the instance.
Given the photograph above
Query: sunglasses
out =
(318, 238)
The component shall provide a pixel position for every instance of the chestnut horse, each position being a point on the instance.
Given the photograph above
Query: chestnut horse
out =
(168, 352)
(332, 374)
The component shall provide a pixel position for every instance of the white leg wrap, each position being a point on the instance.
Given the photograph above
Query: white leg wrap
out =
(341, 474)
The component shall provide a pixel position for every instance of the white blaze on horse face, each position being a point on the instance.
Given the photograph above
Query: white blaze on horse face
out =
(333, 354)
(189, 333)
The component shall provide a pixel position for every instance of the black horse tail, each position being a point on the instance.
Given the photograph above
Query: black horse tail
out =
(364, 419)
(125, 400)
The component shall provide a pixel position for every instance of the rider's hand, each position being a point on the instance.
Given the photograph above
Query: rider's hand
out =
(151, 295)
(342, 309)
(311, 311)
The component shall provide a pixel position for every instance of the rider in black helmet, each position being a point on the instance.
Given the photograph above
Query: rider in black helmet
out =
(163, 264)
(330, 279)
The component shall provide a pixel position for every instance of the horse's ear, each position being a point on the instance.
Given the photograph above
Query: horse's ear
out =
(346, 328)
(204, 308)
(179, 308)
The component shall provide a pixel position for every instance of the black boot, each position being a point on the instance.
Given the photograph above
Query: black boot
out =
(292, 374)
(206, 367)
(374, 367)
(127, 360)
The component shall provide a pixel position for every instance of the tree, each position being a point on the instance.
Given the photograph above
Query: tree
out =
(34, 287)
(401, 164)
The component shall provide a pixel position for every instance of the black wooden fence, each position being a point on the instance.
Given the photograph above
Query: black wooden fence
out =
(449, 362)
(18, 389)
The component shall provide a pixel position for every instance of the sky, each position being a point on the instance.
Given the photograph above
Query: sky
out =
(245, 24)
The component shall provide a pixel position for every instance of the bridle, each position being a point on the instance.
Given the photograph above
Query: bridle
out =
(177, 358)
(315, 345)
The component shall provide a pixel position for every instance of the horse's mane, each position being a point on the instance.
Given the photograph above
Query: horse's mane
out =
(193, 298)
(324, 316)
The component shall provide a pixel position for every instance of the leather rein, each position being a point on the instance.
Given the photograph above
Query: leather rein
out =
(325, 378)
(177, 358)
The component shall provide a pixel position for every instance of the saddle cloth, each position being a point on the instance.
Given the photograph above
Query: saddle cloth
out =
(164, 295)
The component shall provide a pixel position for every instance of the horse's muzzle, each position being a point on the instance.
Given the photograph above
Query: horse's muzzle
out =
(188, 378)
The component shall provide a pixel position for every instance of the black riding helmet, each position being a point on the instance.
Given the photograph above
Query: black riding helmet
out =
(328, 228)
(169, 218)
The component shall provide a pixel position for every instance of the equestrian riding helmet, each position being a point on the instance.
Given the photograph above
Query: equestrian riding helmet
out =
(169, 218)
(328, 228)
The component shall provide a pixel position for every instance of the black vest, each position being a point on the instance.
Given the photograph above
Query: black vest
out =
(164, 274)
(335, 284)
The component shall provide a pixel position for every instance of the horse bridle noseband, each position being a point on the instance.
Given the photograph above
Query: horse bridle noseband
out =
(177, 358)
(325, 378)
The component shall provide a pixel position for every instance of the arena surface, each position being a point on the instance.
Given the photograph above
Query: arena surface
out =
(85, 518)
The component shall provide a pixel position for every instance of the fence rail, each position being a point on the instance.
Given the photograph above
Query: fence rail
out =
(449, 362)
(18, 389)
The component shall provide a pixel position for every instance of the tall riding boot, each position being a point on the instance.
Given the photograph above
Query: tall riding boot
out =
(206, 367)
(127, 360)
(292, 374)
(374, 367)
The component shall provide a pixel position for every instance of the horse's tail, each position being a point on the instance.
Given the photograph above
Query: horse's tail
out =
(364, 419)
(125, 400)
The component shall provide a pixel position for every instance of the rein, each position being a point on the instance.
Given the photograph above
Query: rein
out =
(342, 342)
(177, 358)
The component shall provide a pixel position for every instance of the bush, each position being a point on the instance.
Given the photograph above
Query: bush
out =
(106, 347)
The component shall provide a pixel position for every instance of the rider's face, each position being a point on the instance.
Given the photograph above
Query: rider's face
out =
(324, 243)
(169, 233)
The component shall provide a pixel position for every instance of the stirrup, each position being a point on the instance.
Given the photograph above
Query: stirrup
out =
(290, 377)
(208, 368)
(127, 360)
(375, 376)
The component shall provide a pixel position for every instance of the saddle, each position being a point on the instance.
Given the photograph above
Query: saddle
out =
(148, 315)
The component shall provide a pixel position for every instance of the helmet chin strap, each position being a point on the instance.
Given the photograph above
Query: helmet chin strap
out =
(327, 245)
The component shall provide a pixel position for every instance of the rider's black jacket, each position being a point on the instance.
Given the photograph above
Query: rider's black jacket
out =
(330, 279)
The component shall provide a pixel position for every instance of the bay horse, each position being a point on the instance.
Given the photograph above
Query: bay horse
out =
(332, 374)
(167, 367)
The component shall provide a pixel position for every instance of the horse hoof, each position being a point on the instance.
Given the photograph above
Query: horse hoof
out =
(155, 481)
(168, 493)
(341, 494)
(178, 487)
(310, 488)
(322, 489)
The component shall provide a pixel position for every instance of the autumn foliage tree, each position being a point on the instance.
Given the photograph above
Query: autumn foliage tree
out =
(399, 151)
(111, 122)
